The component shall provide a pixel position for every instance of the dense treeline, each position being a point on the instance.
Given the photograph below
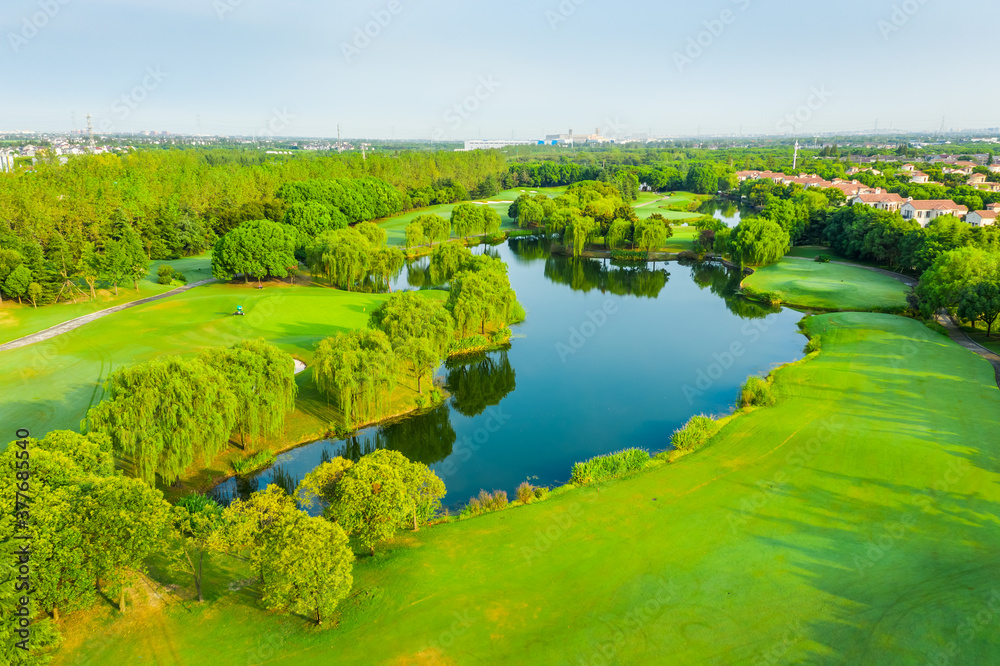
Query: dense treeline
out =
(178, 203)
(93, 529)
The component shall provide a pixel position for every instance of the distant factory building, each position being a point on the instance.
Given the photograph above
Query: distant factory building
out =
(491, 144)
(571, 138)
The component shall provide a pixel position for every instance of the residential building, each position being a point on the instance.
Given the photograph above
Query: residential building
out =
(919, 177)
(981, 218)
(925, 210)
(891, 202)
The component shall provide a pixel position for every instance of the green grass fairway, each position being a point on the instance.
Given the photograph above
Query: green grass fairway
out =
(51, 384)
(829, 286)
(17, 321)
(683, 239)
(855, 522)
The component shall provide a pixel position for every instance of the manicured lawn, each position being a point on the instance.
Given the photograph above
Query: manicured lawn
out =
(17, 321)
(50, 385)
(854, 522)
(829, 286)
(683, 239)
(669, 200)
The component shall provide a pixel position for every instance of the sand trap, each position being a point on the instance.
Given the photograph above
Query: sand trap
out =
(299, 366)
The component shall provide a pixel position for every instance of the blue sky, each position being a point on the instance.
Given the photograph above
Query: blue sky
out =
(521, 67)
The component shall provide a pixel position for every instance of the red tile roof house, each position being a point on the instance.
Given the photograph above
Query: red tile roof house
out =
(981, 218)
(923, 211)
(885, 201)
(853, 188)
(777, 178)
(919, 177)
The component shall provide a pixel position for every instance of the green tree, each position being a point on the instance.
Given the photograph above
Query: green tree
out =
(316, 487)
(356, 371)
(466, 219)
(414, 235)
(164, 414)
(446, 260)
(758, 242)
(247, 525)
(424, 489)
(18, 281)
(491, 220)
(529, 212)
(262, 379)
(436, 228)
(650, 235)
(308, 567)
(34, 293)
(344, 256)
(981, 301)
(370, 502)
(195, 520)
(385, 266)
(126, 522)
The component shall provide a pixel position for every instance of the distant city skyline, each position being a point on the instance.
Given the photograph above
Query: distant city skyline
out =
(453, 71)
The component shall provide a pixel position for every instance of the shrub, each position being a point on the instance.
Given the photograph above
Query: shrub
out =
(541, 493)
(823, 258)
(694, 434)
(257, 461)
(486, 503)
(813, 345)
(769, 297)
(525, 492)
(611, 466)
(756, 392)
(688, 255)
(629, 255)
(165, 274)
(517, 313)
(180, 277)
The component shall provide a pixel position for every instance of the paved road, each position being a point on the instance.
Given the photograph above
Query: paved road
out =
(959, 336)
(72, 324)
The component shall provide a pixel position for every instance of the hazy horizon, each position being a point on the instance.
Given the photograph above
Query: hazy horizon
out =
(451, 71)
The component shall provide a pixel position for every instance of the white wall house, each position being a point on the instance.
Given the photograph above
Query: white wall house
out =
(885, 201)
(981, 218)
(923, 211)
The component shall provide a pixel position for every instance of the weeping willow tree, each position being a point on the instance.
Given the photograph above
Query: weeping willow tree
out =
(356, 371)
(481, 295)
(580, 232)
(342, 256)
(386, 265)
(446, 260)
(650, 234)
(419, 329)
(758, 242)
(262, 378)
(164, 414)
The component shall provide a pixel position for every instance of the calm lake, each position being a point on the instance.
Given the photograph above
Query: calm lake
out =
(729, 212)
(610, 357)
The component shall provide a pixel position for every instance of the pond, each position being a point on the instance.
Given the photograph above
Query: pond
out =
(727, 211)
(610, 357)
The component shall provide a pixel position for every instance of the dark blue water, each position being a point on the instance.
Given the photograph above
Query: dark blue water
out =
(609, 357)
